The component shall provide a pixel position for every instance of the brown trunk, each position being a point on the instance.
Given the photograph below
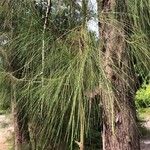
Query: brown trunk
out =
(17, 142)
(119, 115)
(21, 132)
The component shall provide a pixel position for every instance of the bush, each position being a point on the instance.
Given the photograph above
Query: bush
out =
(143, 96)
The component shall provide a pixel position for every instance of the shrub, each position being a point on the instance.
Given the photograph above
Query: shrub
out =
(143, 96)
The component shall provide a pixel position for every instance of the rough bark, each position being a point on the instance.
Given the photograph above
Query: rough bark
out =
(119, 115)
(21, 132)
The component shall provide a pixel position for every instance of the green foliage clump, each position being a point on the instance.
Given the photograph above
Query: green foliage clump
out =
(143, 96)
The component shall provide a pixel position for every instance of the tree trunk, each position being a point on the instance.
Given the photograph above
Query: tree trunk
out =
(17, 133)
(120, 131)
(21, 132)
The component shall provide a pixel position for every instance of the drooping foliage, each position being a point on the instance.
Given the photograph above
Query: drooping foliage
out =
(65, 109)
(60, 110)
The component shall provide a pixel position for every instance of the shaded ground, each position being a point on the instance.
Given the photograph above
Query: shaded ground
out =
(6, 132)
(145, 129)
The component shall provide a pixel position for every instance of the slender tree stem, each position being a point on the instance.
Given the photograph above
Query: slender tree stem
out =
(43, 46)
